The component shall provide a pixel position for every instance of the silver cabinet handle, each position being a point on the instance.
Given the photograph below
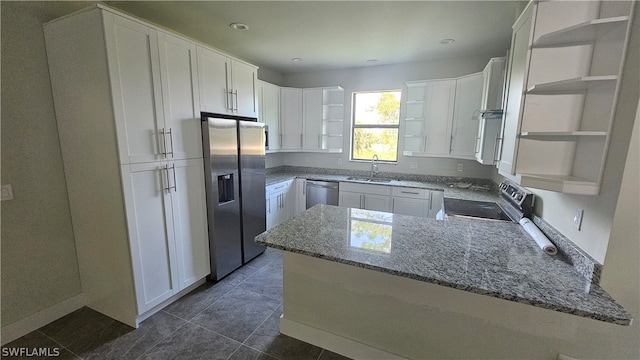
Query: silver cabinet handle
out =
(495, 149)
(410, 192)
(171, 139)
(319, 141)
(477, 144)
(300, 140)
(304, 187)
(393, 205)
(430, 202)
(426, 137)
(164, 142)
(280, 141)
(235, 93)
(166, 173)
(175, 183)
(269, 206)
(361, 201)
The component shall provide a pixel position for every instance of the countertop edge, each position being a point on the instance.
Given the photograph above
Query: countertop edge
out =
(626, 321)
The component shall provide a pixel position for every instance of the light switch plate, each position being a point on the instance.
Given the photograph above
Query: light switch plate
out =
(460, 167)
(413, 164)
(7, 192)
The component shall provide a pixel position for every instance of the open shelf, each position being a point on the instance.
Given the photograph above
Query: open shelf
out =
(561, 183)
(560, 135)
(571, 86)
(579, 34)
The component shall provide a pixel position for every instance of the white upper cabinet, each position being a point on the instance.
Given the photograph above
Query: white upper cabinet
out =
(291, 118)
(269, 112)
(154, 92)
(558, 136)
(493, 85)
(312, 118)
(181, 102)
(466, 114)
(441, 117)
(227, 86)
(132, 50)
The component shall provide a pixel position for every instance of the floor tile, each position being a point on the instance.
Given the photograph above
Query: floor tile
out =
(192, 342)
(245, 353)
(80, 324)
(328, 355)
(267, 338)
(199, 299)
(267, 282)
(237, 314)
(36, 342)
(116, 342)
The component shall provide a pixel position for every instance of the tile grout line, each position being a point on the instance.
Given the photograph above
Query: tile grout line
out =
(256, 329)
(161, 339)
(320, 355)
(62, 346)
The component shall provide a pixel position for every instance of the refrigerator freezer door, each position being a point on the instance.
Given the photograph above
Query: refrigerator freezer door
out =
(220, 142)
(252, 176)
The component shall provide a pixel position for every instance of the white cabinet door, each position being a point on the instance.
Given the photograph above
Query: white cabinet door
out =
(273, 211)
(270, 112)
(287, 201)
(213, 81)
(377, 202)
(350, 199)
(408, 206)
(243, 89)
(291, 118)
(148, 202)
(436, 205)
(518, 64)
(438, 114)
(180, 97)
(135, 82)
(466, 115)
(300, 196)
(190, 220)
(312, 118)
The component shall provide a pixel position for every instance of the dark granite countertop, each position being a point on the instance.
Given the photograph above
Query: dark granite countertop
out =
(492, 258)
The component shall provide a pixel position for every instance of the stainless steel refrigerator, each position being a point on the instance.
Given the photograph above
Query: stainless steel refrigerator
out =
(234, 161)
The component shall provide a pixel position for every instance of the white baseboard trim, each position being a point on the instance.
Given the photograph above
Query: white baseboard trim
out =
(43, 317)
(332, 342)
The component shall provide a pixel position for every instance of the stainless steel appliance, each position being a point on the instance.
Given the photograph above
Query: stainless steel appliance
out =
(321, 192)
(514, 204)
(234, 161)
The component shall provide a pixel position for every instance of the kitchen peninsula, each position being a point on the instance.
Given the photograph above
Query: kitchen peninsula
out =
(378, 285)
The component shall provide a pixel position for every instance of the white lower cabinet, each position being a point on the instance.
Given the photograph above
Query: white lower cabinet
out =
(410, 201)
(365, 196)
(280, 203)
(166, 216)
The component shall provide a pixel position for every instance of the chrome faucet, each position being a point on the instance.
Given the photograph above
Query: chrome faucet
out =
(374, 166)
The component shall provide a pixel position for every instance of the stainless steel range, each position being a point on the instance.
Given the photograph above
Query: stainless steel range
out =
(514, 204)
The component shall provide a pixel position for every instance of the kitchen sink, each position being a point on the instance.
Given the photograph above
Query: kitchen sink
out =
(369, 179)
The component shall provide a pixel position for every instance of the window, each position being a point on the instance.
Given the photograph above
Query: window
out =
(375, 121)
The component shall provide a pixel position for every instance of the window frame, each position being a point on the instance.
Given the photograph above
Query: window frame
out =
(369, 126)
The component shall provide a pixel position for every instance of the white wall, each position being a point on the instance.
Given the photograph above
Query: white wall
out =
(388, 77)
(39, 264)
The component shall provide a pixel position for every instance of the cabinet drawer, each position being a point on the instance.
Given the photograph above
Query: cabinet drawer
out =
(279, 186)
(411, 192)
(366, 188)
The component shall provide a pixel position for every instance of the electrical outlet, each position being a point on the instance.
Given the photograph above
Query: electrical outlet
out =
(577, 219)
(7, 193)
(413, 164)
(460, 167)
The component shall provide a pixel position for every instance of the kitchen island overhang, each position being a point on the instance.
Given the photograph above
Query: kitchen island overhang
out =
(414, 268)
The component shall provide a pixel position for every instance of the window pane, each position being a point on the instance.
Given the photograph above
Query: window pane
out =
(377, 108)
(381, 142)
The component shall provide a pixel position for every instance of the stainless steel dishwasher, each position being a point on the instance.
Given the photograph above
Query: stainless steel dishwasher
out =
(322, 192)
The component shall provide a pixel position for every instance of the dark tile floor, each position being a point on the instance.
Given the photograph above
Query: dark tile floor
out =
(235, 319)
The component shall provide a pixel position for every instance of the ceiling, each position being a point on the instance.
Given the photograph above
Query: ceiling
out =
(337, 34)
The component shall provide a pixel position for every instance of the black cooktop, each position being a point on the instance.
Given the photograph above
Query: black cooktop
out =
(480, 209)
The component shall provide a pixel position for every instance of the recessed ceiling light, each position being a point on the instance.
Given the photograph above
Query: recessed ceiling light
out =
(239, 26)
(447, 41)
(296, 59)
(370, 61)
